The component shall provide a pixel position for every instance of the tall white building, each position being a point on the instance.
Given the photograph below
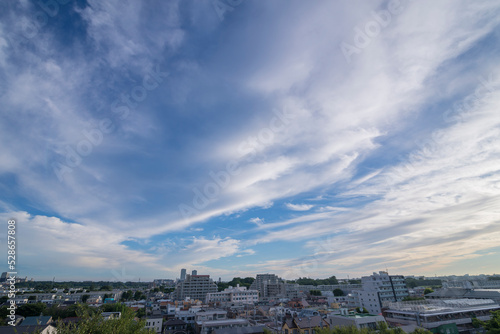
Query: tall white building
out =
(195, 287)
(378, 290)
(234, 296)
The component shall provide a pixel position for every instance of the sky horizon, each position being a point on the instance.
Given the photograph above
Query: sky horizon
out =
(237, 137)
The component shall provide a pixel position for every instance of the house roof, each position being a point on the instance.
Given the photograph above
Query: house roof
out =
(33, 321)
(175, 322)
(241, 330)
(290, 323)
(309, 322)
(22, 329)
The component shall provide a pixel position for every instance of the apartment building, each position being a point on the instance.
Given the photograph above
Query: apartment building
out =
(234, 296)
(195, 287)
(269, 286)
(377, 291)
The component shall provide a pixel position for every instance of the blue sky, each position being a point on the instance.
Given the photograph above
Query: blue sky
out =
(240, 137)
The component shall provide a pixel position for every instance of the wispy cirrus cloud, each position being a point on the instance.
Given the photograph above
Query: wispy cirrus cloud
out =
(395, 148)
(299, 207)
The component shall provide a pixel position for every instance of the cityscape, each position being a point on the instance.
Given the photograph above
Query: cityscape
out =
(266, 303)
(250, 167)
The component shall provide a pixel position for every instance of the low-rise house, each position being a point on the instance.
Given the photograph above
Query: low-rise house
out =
(297, 325)
(187, 316)
(204, 315)
(40, 320)
(206, 327)
(173, 326)
(155, 323)
(242, 330)
(111, 315)
(42, 329)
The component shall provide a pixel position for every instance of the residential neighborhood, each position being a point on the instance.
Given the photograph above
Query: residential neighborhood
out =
(196, 304)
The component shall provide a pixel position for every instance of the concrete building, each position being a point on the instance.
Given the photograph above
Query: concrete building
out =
(155, 323)
(431, 314)
(377, 291)
(233, 296)
(458, 293)
(359, 320)
(269, 286)
(195, 287)
(183, 274)
(210, 315)
(211, 326)
(4, 277)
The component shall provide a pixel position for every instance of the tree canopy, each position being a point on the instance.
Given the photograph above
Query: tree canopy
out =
(92, 321)
(332, 280)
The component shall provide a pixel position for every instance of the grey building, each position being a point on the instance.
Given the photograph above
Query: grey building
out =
(378, 290)
(431, 314)
(269, 286)
(195, 287)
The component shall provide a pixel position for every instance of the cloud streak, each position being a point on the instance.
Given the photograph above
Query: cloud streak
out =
(384, 161)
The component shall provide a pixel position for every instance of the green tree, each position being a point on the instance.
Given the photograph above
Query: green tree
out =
(138, 295)
(338, 292)
(428, 290)
(315, 292)
(85, 298)
(476, 323)
(93, 322)
(31, 310)
(493, 325)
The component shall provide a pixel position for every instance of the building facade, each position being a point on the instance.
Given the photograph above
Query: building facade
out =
(195, 287)
(234, 296)
(432, 314)
(377, 291)
(269, 286)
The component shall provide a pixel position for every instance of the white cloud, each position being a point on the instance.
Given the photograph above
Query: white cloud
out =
(299, 207)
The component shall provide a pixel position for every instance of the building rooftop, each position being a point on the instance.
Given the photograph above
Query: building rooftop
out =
(440, 306)
(223, 322)
(33, 321)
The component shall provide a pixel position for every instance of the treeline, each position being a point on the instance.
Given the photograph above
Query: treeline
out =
(88, 285)
(332, 280)
(247, 281)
